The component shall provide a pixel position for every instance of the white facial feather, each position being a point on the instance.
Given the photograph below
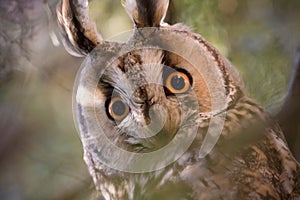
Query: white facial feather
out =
(152, 66)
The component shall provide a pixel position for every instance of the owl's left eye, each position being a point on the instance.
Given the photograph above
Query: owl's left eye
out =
(117, 109)
(177, 82)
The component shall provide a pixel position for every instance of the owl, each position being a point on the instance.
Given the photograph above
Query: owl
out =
(165, 116)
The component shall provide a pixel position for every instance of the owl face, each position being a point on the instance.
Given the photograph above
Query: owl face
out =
(145, 100)
(141, 93)
(149, 97)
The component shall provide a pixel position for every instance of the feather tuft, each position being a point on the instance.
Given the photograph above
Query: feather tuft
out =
(147, 13)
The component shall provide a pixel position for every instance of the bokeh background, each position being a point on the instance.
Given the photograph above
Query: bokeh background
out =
(40, 150)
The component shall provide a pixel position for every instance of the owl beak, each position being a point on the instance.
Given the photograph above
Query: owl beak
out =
(156, 128)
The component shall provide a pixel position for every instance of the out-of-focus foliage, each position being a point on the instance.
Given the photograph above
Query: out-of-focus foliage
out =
(15, 31)
(40, 151)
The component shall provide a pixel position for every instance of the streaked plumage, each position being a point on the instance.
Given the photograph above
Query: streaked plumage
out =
(251, 159)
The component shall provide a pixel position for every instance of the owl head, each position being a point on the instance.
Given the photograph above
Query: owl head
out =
(141, 104)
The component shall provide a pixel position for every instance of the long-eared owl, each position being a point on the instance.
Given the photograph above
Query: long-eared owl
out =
(165, 116)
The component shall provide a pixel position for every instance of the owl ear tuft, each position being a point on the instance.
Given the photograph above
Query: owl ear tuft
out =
(79, 34)
(146, 13)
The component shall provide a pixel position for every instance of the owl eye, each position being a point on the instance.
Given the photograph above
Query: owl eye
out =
(118, 110)
(177, 82)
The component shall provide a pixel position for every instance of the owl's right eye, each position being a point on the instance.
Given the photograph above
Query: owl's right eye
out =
(117, 109)
(177, 82)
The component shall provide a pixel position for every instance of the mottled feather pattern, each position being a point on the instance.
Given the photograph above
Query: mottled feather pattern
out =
(260, 167)
(250, 160)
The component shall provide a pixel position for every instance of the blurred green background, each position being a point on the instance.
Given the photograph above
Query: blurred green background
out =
(40, 150)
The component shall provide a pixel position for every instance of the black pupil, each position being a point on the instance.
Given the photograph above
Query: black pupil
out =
(178, 82)
(118, 108)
